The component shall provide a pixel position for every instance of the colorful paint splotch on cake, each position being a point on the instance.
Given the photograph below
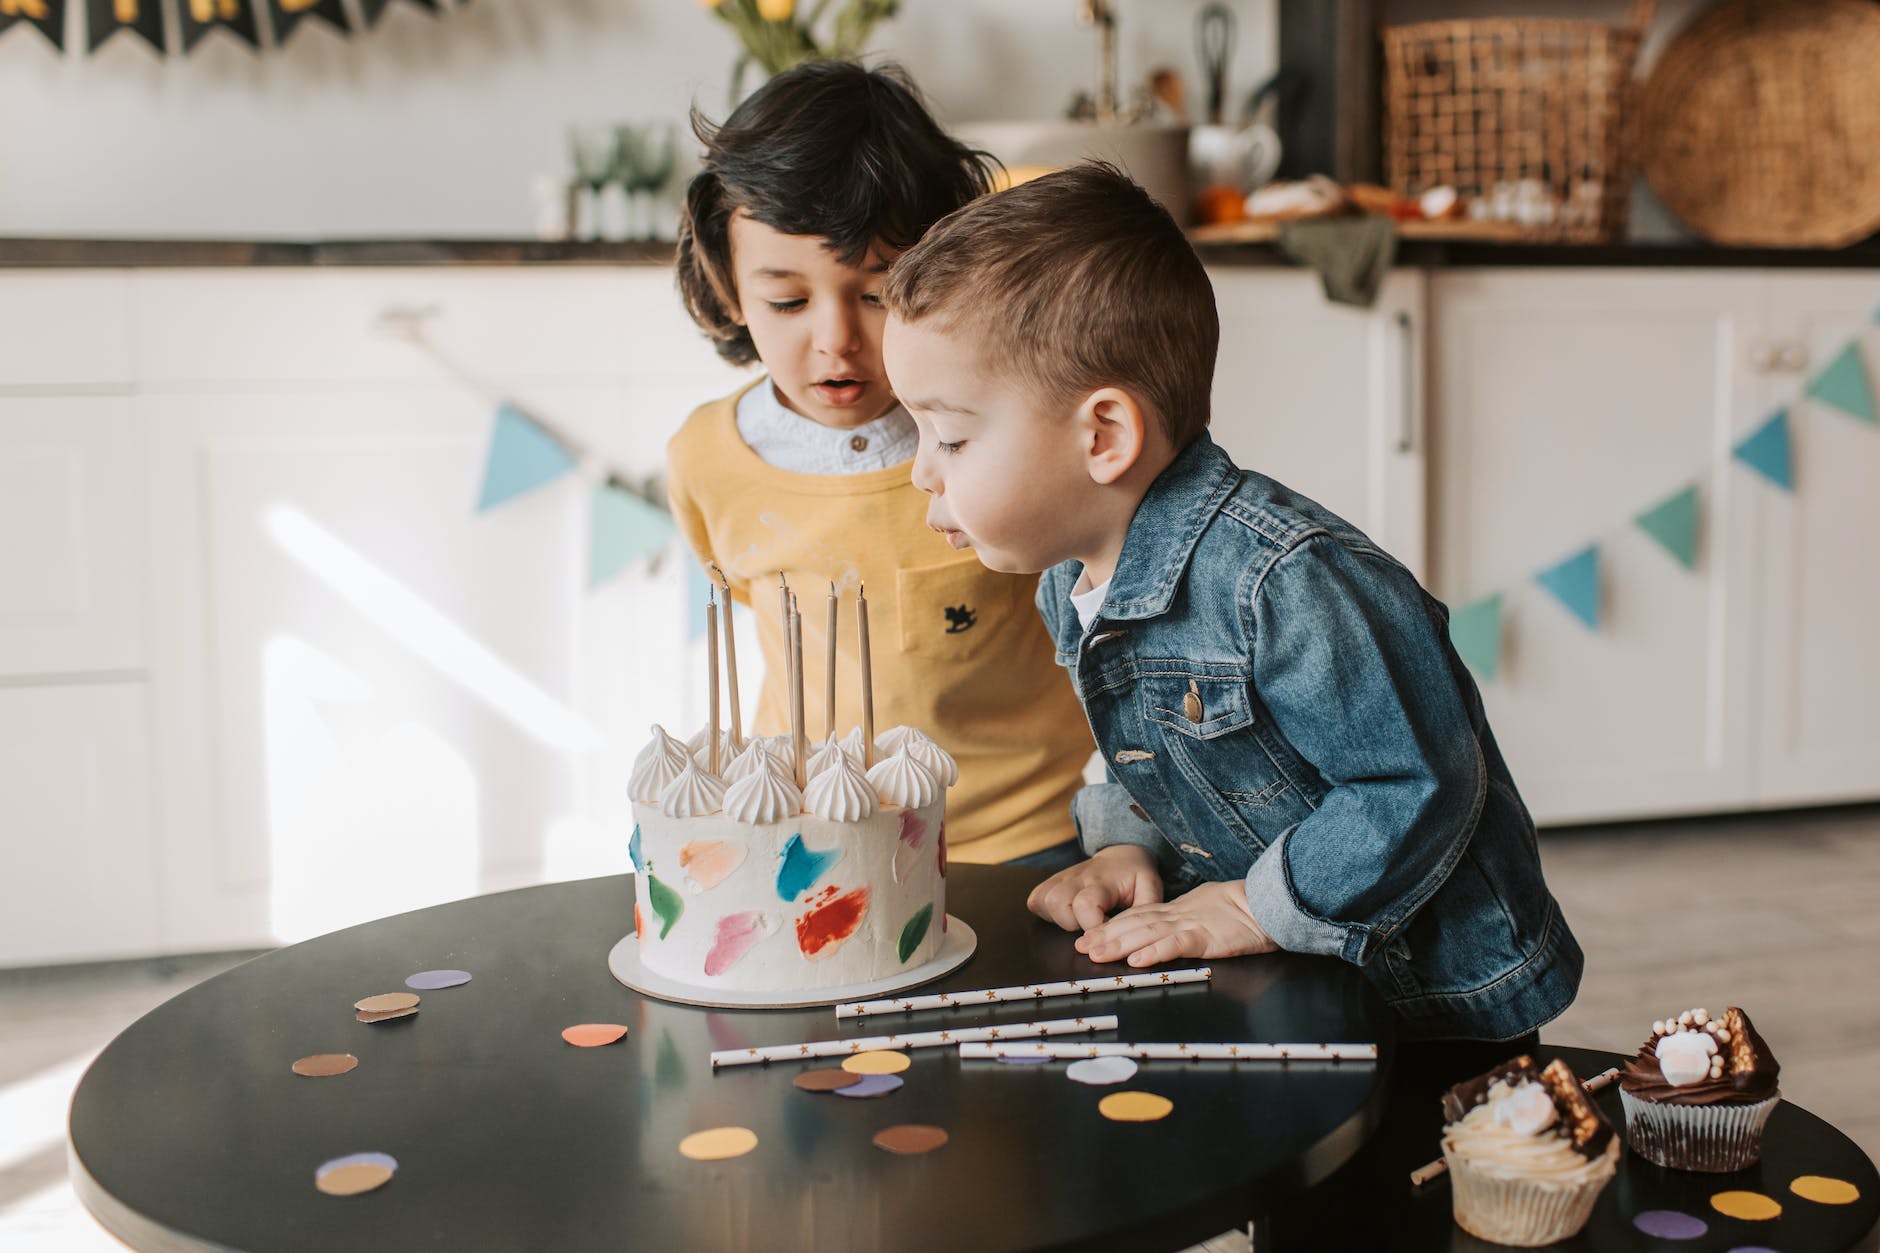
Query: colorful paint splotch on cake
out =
(749, 884)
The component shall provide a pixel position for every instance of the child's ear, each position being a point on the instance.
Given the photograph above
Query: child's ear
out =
(1112, 428)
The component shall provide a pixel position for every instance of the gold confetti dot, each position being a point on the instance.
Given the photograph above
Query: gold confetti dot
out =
(1825, 1191)
(320, 1065)
(1135, 1107)
(718, 1144)
(878, 1062)
(386, 1002)
(1750, 1206)
(352, 1180)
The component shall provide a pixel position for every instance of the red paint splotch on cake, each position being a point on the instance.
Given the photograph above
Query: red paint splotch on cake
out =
(907, 852)
(831, 919)
(639, 920)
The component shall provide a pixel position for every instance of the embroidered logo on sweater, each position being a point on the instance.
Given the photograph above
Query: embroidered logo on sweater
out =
(960, 618)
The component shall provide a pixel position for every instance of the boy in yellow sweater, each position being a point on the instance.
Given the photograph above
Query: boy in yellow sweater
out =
(807, 194)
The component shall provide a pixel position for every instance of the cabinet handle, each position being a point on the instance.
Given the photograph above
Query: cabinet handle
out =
(1406, 412)
(1794, 356)
(1762, 357)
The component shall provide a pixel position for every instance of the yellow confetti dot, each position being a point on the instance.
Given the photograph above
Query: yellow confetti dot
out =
(1134, 1106)
(352, 1180)
(718, 1143)
(876, 1063)
(1825, 1191)
(1750, 1206)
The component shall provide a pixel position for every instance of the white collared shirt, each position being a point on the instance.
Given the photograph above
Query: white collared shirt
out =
(1089, 601)
(788, 440)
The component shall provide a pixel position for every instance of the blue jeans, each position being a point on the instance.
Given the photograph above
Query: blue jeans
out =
(1057, 857)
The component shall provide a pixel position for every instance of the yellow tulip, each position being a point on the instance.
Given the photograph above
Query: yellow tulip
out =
(776, 10)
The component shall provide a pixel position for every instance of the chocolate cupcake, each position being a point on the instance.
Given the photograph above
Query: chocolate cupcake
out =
(1528, 1153)
(1699, 1092)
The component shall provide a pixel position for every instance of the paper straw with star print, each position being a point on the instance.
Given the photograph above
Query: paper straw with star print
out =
(981, 1050)
(1023, 992)
(913, 1040)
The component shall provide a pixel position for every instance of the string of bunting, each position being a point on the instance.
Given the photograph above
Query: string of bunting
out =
(1675, 523)
(195, 20)
(626, 520)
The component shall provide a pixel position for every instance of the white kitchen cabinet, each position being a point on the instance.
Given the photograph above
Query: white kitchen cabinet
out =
(1818, 653)
(1564, 403)
(71, 561)
(79, 844)
(1327, 398)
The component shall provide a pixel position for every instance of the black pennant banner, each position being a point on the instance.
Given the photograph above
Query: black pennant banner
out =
(287, 15)
(47, 15)
(199, 17)
(375, 9)
(105, 18)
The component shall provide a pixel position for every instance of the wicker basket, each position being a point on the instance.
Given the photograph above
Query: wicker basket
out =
(1526, 117)
(1760, 124)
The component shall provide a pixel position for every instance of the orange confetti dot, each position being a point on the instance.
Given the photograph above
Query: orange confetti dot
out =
(352, 1180)
(1825, 1191)
(593, 1035)
(718, 1143)
(386, 1003)
(320, 1065)
(1135, 1107)
(1750, 1206)
(878, 1062)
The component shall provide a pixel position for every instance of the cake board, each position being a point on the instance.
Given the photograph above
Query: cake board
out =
(957, 944)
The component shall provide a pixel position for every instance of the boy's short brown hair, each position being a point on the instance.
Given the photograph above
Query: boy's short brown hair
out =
(1073, 281)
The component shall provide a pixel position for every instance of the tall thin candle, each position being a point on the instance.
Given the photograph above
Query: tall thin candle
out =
(711, 680)
(799, 741)
(868, 679)
(829, 676)
(731, 664)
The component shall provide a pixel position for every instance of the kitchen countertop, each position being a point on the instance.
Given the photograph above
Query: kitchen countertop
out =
(1411, 254)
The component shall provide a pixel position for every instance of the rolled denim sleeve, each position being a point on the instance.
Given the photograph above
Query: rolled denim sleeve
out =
(1354, 668)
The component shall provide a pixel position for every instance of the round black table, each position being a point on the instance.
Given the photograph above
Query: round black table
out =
(190, 1131)
(1795, 1142)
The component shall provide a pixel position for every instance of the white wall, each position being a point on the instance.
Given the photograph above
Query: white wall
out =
(433, 126)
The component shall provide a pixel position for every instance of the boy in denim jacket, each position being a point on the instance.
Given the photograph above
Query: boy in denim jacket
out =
(1298, 760)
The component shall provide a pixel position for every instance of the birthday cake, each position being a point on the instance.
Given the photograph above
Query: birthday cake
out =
(747, 882)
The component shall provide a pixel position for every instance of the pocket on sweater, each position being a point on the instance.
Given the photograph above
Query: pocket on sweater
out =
(951, 611)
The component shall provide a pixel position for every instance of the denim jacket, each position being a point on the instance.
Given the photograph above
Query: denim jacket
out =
(1277, 700)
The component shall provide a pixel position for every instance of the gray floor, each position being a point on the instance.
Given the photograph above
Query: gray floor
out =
(1779, 914)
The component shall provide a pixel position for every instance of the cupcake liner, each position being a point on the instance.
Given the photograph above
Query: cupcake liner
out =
(1525, 1213)
(1710, 1138)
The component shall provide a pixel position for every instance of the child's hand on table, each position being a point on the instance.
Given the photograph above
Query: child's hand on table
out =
(1209, 921)
(1082, 896)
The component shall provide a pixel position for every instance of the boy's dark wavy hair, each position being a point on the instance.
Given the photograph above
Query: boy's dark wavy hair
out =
(828, 148)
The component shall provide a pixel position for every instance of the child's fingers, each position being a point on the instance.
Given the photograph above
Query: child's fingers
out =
(1090, 907)
(1125, 933)
(1167, 949)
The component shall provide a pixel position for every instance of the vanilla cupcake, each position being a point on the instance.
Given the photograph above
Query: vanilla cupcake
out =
(1528, 1153)
(1699, 1092)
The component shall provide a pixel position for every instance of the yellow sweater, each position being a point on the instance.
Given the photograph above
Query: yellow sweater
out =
(957, 650)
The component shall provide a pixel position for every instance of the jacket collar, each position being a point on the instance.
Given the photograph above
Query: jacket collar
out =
(1161, 538)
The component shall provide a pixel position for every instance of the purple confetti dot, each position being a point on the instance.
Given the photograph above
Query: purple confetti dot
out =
(360, 1159)
(871, 1085)
(430, 980)
(1023, 1061)
(1669, 1224)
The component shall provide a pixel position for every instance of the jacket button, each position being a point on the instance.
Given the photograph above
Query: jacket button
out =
(1191, 705)
(1136, 809)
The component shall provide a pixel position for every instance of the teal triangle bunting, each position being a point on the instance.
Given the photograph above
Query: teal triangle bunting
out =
(1673, 523)
(522, 457)
(1575, 584)
(1844, 385)
(1475, 631)
(622, 528)
(1766, 451)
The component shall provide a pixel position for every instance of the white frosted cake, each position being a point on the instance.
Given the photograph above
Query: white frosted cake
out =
(746, 884)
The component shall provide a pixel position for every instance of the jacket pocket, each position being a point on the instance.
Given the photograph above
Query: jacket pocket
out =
(1235, 801)
(951, 611)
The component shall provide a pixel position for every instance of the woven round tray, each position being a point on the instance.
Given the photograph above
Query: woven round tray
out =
(1760, 124)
